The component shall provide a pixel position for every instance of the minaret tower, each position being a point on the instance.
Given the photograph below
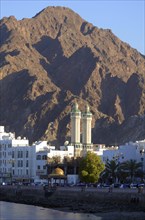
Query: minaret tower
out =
(86, 129)
(75, 129)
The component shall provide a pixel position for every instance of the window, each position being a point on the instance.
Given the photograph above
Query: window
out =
(38, 157)
(27, 154)
(18, 154)
(27, 172)
(21, 154)
(27, 163)
(13, 155)
(21, 163)
(44, 157)
(38, 167)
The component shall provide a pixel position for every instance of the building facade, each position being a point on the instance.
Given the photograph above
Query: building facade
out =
(12, 153)
(128, 151)
(21, 162)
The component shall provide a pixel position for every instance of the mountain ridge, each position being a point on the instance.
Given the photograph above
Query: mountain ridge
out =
(55, 58)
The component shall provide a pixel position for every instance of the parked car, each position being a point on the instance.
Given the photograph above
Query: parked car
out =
(81, 184)
(106, 185)
(140, 185)
(125, 185)
(117, 185)
(71, 185)
(133, 185)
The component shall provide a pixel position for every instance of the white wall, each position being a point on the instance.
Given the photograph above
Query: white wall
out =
(72, 179)
(127, 152)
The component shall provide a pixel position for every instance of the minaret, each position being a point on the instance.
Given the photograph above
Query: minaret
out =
(86, 129)
(75, 129)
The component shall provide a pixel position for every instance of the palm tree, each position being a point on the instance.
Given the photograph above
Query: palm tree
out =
(132, 167)
(111, 170)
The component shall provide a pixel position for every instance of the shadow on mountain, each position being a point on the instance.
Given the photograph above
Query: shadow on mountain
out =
(47, 112)
(82, 64)
(105, 128)
(14, 87)
(4, 34)
(3, 55)
(133, 94)
(50, 49)
(113, 87)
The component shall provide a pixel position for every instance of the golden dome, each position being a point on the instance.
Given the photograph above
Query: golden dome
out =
(58, 171)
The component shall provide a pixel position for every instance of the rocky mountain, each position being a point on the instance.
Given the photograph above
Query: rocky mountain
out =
(56, 58)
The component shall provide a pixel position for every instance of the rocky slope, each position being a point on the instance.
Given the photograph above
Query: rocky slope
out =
(51, 60)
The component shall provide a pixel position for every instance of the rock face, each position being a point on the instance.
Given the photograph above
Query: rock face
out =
(56, 58)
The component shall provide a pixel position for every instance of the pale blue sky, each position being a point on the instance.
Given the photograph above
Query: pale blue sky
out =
(125, 18)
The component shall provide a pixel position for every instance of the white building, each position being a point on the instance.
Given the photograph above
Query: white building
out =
(134, 151)
(99, 150)
(12, 152)
(21, 162)
(43, 156)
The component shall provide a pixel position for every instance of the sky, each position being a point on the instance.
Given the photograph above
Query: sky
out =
(126, 18)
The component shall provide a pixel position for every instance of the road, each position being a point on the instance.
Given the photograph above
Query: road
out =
(75, 189)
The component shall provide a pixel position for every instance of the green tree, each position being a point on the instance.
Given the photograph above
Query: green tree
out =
(132, 168)
(90, 168)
